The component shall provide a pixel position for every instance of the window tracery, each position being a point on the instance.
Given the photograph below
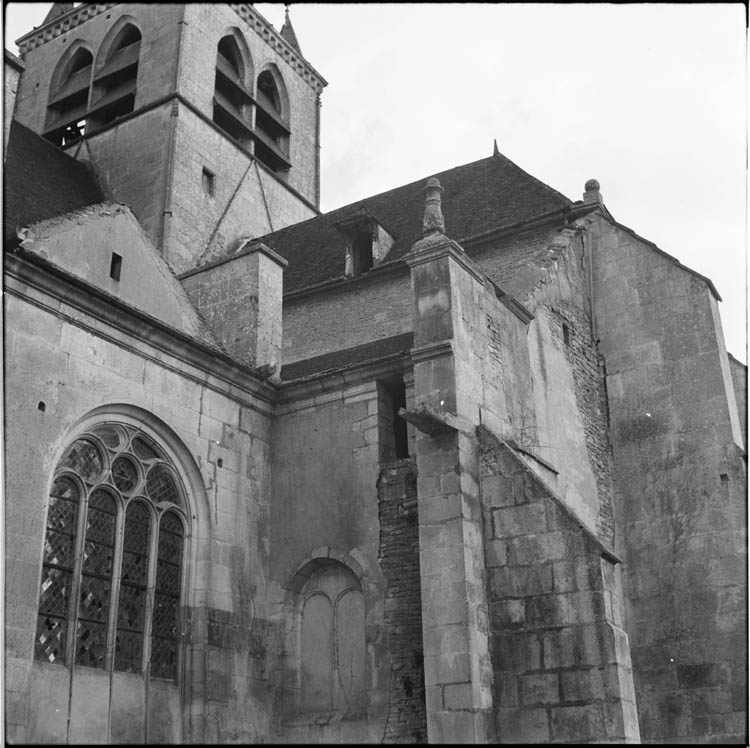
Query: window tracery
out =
(114, 547)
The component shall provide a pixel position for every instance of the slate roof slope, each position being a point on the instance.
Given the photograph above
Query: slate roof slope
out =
(477, 197)
(41, 181)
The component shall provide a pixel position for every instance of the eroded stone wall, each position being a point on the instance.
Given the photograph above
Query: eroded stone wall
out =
(679, 489)
(399, 557)
(560, 654)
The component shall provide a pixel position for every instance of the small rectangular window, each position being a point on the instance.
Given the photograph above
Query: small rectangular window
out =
(208, 181)
(115, 266)
(392, 434)
(566, 334)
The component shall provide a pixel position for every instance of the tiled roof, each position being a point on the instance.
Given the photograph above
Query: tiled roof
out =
(477, 197)
(41, 181)
(359, 354)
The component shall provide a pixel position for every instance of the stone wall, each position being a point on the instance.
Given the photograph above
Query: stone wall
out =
(358, 311)
(679, 488)
(64, 366)
(739, 383)
(559, 651)
(241, 301)
(563, 418)
(399, 557)
(325, 467)
(12, 68)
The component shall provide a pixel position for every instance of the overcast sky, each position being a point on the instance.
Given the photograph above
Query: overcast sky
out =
(648, 99)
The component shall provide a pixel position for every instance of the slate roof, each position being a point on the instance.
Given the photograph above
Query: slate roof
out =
(41, 181)
(359, 354)
(477, 197)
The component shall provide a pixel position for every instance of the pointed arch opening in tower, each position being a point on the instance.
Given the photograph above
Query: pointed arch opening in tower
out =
(116, 81)
(66, 110)
(271, 124)
(232, 100)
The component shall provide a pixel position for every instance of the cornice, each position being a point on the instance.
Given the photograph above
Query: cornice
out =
(46, 286)
(328, 386)
(280, 45)
(61, 25)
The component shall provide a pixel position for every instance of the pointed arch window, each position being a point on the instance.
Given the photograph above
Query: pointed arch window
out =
(271, 127)
(68, 103)
(232, 100)
(115, 83)
(113, 565)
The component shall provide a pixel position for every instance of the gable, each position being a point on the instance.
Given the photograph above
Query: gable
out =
(85, 244)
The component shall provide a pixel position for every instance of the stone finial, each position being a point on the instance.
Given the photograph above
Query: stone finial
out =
(57, 10)
(287, 30)
(433, 214)
(495, 151)
(592, 194)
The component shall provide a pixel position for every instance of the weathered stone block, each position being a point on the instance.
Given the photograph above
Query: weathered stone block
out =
(507, 614)
(542, 688)
(496, 491)
(521, 581)
(519, 520)
(563, 576)
(458, 696)
(516, 652)
(507, 686)
(523, 725)
(446, 667)
(496, 551)
(582, 685)
(576, 723)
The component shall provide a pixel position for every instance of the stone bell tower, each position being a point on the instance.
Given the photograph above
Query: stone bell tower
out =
(203, 118)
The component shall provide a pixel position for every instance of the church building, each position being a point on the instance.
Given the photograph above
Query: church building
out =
(462, 462)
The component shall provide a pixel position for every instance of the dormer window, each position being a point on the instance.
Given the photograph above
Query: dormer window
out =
(271, 123)
(367, 242)
(232, 100)
(116, 80)
(68, 103)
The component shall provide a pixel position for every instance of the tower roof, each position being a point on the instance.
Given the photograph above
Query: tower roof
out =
(287, 31)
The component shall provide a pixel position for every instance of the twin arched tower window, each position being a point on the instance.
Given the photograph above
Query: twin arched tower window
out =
(113, 556)
(79, 101)
(234, 106)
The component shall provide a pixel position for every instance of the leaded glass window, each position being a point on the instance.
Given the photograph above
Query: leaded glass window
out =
(113, 567)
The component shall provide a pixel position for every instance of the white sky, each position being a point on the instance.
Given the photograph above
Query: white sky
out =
(648, 99)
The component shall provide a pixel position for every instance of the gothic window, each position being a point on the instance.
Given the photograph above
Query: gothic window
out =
(271, 124)
(232, 100)
(69, 96)
(113, 556)
(332, 641)
(116, 78)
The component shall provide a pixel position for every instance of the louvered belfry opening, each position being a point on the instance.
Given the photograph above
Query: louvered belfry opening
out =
(115, 84)
(232, 101)
(68, 104)
(271, 129)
